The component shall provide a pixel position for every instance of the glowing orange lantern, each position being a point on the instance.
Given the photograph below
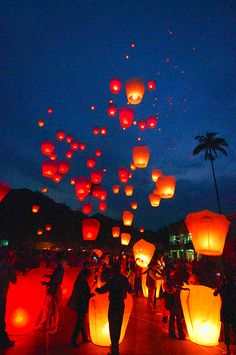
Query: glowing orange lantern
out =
(91, 162)
(50, 110)
(165, 186)
(141, 156)
(154, 200)
(125, 238)
(142, 125)
(98, 319)
(201, 311)
(72, 181)
(41, 123)
(129, 189)
(127, 218)
(69, 154)
(99, 193)
(115, 231)
(57, 178)
(96, 176)
(132, 166)
(90, 228)
(134, 205)
(39, 231)
(152, 122)
(151, 84)
(49, 168)
(61, 135)
(102, 206)
(141, 229)
(35, 208)
(63, 167)
(4, 189)
(126, 117)
(116, 189)
(87, 208)
(135, 90)
(69, 139)
(44, 189)
(123, 175)
(208, 231)
(47, 147)
(112, 110)
(115, 85)
(82, 146)
(48, 227)
(53, 156)
(143, 252)
(98, 252)
(82, 188)
(75, 145)
(98, 152)
(96, 131)
(103, 131)
(156, 174)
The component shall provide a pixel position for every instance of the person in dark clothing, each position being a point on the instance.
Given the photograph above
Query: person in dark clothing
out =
(7, 275)
(117, 286)
(227, 291)
(79, 301)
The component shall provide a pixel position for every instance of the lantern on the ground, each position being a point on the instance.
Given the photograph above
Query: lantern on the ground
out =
(87, 208)
(165, 186)
(142, 125)
(91, 162)
(129, 189)
(102, 206)
(135, 90)
(90, 228)
(125, 238)
(115, 189)
(96, 176)
(141, 156)
(98, 319)
(208, 231)
(75, 145)
(115, 85)
(143, 252)
(35, 208)
(127, 218)
(134, 205)
(115, 231)
(156, 174)
(82, 188)
(152, 122)
(112, 110)
(49, 168)
(4, 189)
(47, 147)
(126, 117)
(63, 167)
(61, 135)
(123, 175)
(201, 311)
(151, 85)
(154, 200)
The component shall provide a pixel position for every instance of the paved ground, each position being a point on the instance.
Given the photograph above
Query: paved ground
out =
(144, 336)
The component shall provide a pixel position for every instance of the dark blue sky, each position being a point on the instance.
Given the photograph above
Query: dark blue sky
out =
(63, 54)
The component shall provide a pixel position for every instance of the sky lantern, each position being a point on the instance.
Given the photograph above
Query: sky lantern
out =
(98, 153)
(4, 189)
(141, 156)
(48, 227)
(82, 187)
(69, 138)
(96, 176)
(99, 192)
(115, 189)
(134, 205)
(201, 311)
(127, 218)
(53, 156)
(132, 166)
(44, 189)
(50, 110)
(115, 85)
(129, 189)
(141, 230)
(103, 131)
(39, 231)
(125, 238)
(98, 252)
(142, 125)
(102, 206)
(91, 162)
(69, 154)
(57, 178)
(98, 319)
(87, 208)
(61, 135)
(72, 181)
(165, 186)
(143, 252)
(152, 122)
(90, 228)
(49, 168)
(75, 145)
(82, 146)
(63, 167)
(156, 174)
(47, 147)
(154, 200)
(41, 123)
(151, 85)
(208, 231)
(123, 175)
(135, 90)
(35, 208)
(112, 110)
(126, 117)
(96, 131)
(115, 231)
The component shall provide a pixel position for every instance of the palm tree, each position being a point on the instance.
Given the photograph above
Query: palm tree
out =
(210, 144)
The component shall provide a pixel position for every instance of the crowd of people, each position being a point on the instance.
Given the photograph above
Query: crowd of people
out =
(116, 274)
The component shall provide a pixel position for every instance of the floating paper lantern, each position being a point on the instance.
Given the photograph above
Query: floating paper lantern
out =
(154, 200)
(96, 176)
(129, 189)
(91, 162)
(90, 228)
(4, 189)
(41, 123)
(75, 145)
(115, 85)
(49, 168)
(98, 153)
(143, 252)
(96, 131)
(208, 231)
(115, 231)
(87, 208)
(69, 154)
(72, 181)
(98, 252)
(151, 84)
(134, 205)
(61, 135)
(132, 166)
(102, 206)
(141, 156)
(82, 188)
(53, 156)
(50, 110)
(39, 231)
(126, 117)
(125, 238)
(82, 146)
(156, 174)
(98, 319)
(165, 186)
(127, 218)
(69, 139)
(112, 110)
(47, 147)
(44, 189)
(57, 178)
(116, 189)
(201, 311)
(141, 230)
(142, 125)
(48, 227)
(63, 167)
(99, 192)
(103, 131)
(123, 175)
(135, 90)
(152, 122)
(35, 208)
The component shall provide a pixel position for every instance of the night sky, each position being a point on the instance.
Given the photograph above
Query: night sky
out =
(62, 54)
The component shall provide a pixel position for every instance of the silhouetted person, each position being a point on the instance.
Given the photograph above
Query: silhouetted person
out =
(79, 301)
(118, 286)
(7, 275)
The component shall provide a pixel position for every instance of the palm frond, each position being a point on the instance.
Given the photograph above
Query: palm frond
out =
(199, 148)
(222, 150)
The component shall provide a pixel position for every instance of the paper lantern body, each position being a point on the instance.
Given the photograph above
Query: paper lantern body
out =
(53, 156)
(165, 186)
(126, 117)
(98, 153)
(152, 122)
(127, 218)
(103, 131)
(151, 84)
(69, 154)
(96, 131)
(75, 145)
(135, 90)
(129, 189)
(35, 208)
(115, 85)
(143, 252)
(154, 200)
(82, 188)
(96, 176)
(202, 314)
(142, 125)
(98, 319)
(141, 156)
(63, 167)
(116, 189)
(98, 252)
(91, 162)
(57, 178)
(69, 139)
(134, 205)
(115, 231)
(123, 175)
(112, 110)
(156, 174)
(132, 166)
(61, 135)
(141, 230)
(47, 147)
(41, 123)
(125, 238)
(49, 168)
(87, 208)
(90, 228)
(208, 230)
(48, 227)
(82, 146)
(102, 206)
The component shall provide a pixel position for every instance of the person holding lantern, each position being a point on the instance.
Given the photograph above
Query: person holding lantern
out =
(117, 286)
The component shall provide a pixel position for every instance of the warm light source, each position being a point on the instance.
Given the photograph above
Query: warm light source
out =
(115, 189)
(143, 252)
(154, 200)
(115, 231)
(35, 208)
(129, 189)
(134, 205)
(135, 90)
(126, 117)
(127, 218)
(156, 174)
(165, 186)
(141, 156)
(125, 238)
(90, 228)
